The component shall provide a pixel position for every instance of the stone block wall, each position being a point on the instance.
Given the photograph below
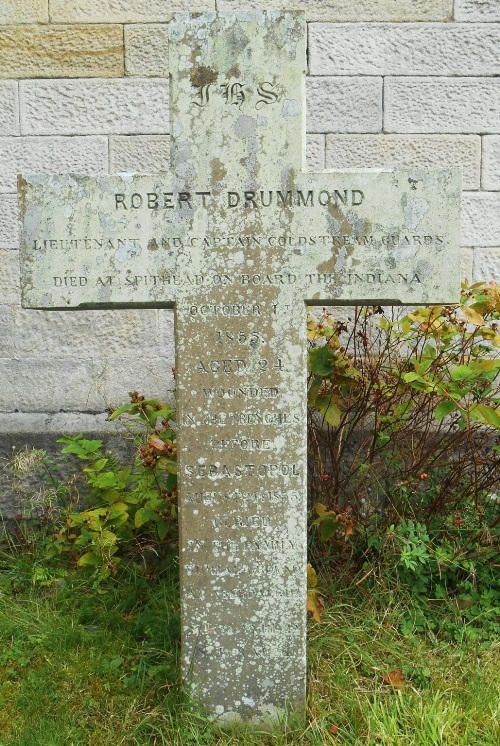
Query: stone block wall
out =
(84, 89)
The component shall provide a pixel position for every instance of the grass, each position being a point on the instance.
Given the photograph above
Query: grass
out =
(85, 666)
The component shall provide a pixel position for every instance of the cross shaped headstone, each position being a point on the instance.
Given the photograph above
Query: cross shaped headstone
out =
(238, 239)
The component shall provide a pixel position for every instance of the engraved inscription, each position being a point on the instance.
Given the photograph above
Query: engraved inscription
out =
(236, 93)
(242, 392)
(241, 337)
(273, 497)
(220, 471)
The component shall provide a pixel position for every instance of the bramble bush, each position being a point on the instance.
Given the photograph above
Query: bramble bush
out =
(130, 509)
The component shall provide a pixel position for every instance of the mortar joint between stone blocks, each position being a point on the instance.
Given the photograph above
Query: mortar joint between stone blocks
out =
(383, 130)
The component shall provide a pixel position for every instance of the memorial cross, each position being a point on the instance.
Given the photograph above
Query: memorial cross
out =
(238, 239)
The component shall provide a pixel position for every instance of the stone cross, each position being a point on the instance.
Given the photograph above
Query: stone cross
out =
(237, 238)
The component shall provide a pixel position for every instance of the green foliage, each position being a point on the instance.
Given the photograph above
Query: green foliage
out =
(128, 506)
(452, 593)
(394, 400)
(404, 454)
(404, 461)
(100, 668)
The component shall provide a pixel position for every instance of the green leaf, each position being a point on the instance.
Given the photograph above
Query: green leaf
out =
(430, 351)
(152, 419)
(461, 372)
(142, 516)
(329, 410)
(70, 438)
(120, 520)
(320, 509)
(130, 499)
(327, 528)
(321, 360)
(84, 449)
(163, 529)
(76, 449)
(312, 580)
(314, 388)
(410, 377)
(76, 519)
(108, 479)
(405, 326)
(117, 510)
(444, 408)
(89, 560)
(123, 476)
(171, 481)
(487, 365)
(403, 409)
(484, 413)
(107, 538)
(91, 445)
(165, 412)
(111, 496)
(167, 464)
(126, 409)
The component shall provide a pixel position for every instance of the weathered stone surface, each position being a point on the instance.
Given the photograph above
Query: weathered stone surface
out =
(9, 278)
(122, 11)
(486, 264)
(34, 51)
(239, 237)
(404, 49)
(147, 154)
(34, 384)
(57, 423)
(24, 11)
(407, 151)
(442, 105)
(481, 219)
(38, 385)
(9, 108)
(81, 155)
(477, 10)
(141, 228)
(344, 104)
(153, 376)
(9, 234)
(490, 172)
(96, 106)
(59, 335)
(141, 154)
(146, 50)
(466, 264)
(315, 152)
(363, 10)
(166, 333)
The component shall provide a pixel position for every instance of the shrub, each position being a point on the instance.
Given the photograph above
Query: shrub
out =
(131, 508)
(404, 421)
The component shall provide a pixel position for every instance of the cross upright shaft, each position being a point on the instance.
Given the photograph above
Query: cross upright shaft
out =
(237, 238)
(241, 365)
